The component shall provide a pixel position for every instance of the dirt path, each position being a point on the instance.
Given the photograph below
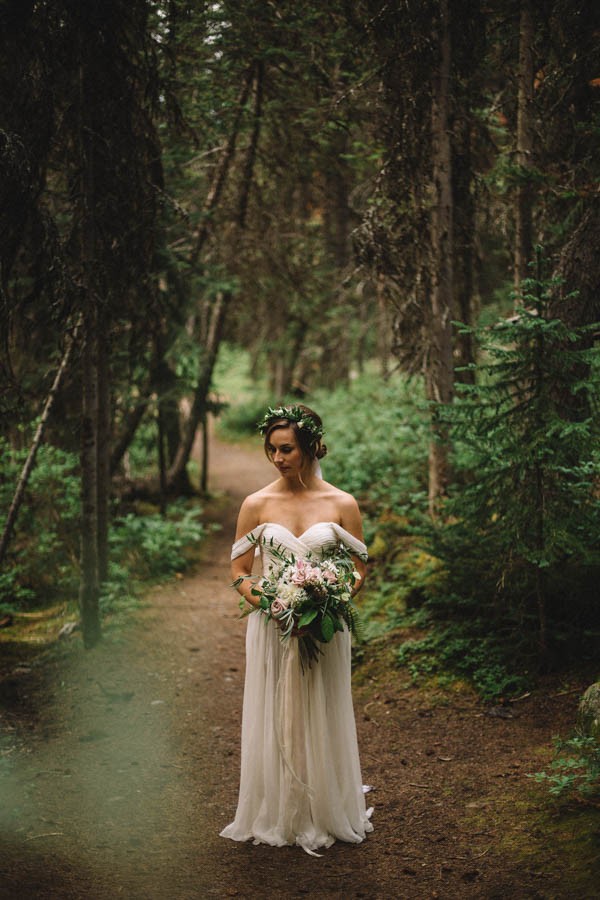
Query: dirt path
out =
(119, 766)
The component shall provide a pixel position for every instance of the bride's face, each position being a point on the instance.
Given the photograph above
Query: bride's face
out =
(285, 453)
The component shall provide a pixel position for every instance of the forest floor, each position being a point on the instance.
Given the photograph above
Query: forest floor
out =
(119, 765)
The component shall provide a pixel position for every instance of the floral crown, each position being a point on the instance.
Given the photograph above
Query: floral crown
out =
(296, 414)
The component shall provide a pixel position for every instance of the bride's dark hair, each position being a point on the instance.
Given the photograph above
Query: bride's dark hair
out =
(310, 444)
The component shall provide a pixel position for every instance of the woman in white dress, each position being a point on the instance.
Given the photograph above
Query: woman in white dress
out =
(300, 777)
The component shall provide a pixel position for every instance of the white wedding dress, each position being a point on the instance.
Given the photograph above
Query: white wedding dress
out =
(300, 777)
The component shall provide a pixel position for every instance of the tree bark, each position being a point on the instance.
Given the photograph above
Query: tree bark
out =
(89, 593)
(524, 150)
(464, 237)
(576, 298)
(439, 372)
(252, 147)
(205, 451)
(161, 366)
(162, 467)
(89, 587)
(384, 328)
(37, 440)
(103, 451)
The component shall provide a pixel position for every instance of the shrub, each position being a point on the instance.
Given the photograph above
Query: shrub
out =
(575, 769)
(43, 555)
(147, 548)
(151, 547)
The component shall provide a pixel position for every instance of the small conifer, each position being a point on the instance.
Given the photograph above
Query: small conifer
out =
(522, 541)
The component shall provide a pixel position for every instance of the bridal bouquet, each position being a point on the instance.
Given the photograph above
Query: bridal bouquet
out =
(310, 598)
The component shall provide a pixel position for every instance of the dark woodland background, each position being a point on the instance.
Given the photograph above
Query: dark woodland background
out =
(389, 210)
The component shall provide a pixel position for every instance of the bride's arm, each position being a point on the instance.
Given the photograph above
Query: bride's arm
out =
(352, 522)
(241, 566)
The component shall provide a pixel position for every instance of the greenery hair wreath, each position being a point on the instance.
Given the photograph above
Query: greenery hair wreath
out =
(293, 414)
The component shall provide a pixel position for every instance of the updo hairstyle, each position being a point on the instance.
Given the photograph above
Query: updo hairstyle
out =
(311, 446)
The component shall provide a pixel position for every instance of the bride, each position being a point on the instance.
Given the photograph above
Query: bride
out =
(300, 777)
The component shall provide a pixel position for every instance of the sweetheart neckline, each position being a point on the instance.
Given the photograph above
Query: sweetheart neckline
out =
(299, 537)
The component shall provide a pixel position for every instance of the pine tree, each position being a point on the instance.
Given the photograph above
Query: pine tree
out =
(522, 546)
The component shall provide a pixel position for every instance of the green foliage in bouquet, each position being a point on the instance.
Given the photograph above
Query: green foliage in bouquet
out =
(310, 598)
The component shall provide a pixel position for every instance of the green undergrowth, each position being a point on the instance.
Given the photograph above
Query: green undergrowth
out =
(41, 570)
(148, 548)
(41, 565)
(574, 773)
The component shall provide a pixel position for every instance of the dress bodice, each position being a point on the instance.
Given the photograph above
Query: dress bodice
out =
(315, 540)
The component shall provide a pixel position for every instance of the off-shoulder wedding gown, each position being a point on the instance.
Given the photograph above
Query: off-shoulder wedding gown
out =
(300, 777)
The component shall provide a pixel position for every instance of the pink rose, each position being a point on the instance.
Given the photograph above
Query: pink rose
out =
(299, 575)
(277, 607)
(314, 574)
(329, 576)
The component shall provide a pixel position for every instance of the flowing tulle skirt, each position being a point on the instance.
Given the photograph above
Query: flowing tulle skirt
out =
(300, 774)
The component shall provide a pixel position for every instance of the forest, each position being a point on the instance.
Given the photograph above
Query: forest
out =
(389, 211)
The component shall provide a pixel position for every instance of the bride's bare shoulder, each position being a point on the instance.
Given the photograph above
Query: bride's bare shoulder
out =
(249, 515)
(258, 497)
(253, 504)
(347, 510)
(342, 498)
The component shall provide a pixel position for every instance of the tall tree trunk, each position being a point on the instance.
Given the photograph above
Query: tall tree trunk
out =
(576, 298)
(103, 452)
(439, 373)
(160, 366)
(89, 594)
(384, 328)
(252, 147)
(464, 237)
(162, 467)
(524, 150)
(205, 451)
(88, 587)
